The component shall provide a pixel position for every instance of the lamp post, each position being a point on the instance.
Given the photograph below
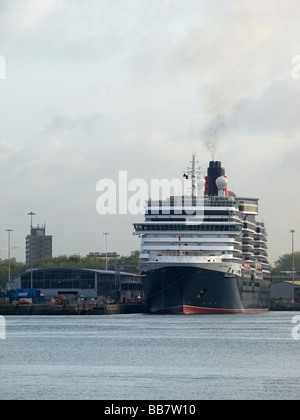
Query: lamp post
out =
(9, 231)
(293, 263)
(106, 235)
(31, 214)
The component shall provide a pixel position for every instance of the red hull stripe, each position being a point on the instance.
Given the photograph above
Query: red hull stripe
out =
(196, 310)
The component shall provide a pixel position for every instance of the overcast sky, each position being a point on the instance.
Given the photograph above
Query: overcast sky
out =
(98, 86)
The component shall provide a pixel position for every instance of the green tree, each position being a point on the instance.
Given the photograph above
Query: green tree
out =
(133, 258)
(285, 263)
(16, 268)
(71, 261)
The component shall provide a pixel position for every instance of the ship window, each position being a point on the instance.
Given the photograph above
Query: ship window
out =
(191, 228)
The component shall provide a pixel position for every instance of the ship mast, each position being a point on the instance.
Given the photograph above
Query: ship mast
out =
(194, 178)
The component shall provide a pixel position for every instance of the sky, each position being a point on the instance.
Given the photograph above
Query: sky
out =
(95, 87)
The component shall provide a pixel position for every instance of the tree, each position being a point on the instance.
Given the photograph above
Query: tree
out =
(285, 262)
(133, 258)
(16, 268)
(71, 261)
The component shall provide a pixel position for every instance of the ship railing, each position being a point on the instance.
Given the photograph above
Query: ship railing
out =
(185, 258)
(194, 202)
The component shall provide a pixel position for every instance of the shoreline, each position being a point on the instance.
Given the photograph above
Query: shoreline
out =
(36, 309)
(113, 309)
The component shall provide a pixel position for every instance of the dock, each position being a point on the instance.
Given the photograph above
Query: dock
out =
(279, 306)
(58, 310)
(101, 309)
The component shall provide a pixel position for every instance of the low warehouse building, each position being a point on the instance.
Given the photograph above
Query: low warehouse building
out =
(284, 290)
(89, 283)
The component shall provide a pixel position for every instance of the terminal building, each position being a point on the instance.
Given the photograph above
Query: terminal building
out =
(72, 282)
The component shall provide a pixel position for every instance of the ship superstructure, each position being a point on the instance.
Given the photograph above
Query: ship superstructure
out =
(204, 252)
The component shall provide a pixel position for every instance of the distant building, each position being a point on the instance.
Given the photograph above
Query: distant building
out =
(286, 291)
(38, 245)
(282, 287)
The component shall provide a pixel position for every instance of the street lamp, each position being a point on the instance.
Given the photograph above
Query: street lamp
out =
(9, 230)
(106, 235)
(31, 214)
(293, 262)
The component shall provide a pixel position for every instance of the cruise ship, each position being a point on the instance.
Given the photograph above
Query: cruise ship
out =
(204, 252)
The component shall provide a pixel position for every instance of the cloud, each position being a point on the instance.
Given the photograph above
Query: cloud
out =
(21, 18)
(6, 150)
(100, 86)
(240, 58)
(33, 13)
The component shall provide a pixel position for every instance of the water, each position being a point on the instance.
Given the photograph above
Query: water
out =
(147, 357)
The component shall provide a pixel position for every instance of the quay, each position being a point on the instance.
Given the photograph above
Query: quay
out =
(102, 309)
(279, 306)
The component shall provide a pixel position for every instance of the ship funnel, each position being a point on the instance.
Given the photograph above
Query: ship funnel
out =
(214, 172)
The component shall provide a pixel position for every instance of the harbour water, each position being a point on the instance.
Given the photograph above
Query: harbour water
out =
(149, 357)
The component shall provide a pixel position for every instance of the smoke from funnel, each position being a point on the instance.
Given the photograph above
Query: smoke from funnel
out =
(212, 135)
